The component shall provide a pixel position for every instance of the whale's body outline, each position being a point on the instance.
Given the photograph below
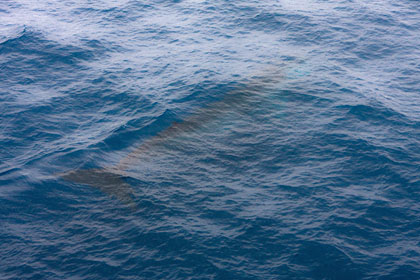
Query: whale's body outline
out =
(112, 180)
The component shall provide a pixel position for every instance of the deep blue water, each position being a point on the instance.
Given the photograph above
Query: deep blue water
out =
(242, 140)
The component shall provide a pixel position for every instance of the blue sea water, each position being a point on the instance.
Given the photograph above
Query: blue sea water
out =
(288, 139)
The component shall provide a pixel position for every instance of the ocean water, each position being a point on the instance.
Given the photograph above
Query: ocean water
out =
(209, 139)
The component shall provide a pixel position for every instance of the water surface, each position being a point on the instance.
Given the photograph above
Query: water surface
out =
(245, 140)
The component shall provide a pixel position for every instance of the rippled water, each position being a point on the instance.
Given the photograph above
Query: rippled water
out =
(210, 139)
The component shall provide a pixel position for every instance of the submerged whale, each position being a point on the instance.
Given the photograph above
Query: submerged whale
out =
(112, 180)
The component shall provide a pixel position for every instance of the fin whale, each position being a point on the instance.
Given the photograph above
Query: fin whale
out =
(112, 180)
